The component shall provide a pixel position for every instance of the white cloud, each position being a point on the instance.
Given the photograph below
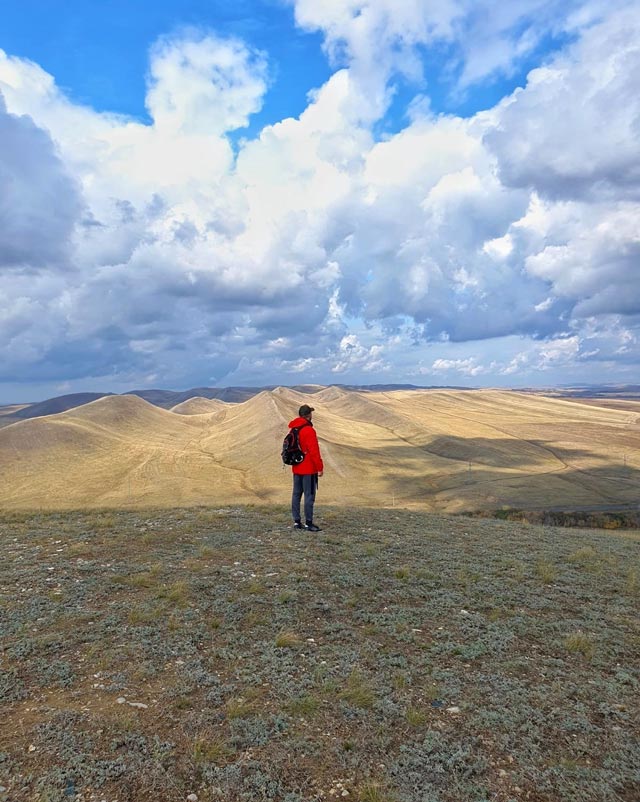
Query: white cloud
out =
(466, 367)
(499, 248)
(588, 147)
(594, 263)
(379, 37)
(40, 202)
(561, 350)
(168, 254)
(353, 354)
(201, 84)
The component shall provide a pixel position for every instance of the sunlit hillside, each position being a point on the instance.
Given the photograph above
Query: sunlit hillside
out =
(429, 449)
(198, 406)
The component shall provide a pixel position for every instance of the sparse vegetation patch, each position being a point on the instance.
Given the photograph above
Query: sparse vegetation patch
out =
(147, 656)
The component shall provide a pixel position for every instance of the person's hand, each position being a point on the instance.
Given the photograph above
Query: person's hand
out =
(320, 473)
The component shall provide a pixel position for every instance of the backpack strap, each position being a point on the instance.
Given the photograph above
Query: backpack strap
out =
(297, 430)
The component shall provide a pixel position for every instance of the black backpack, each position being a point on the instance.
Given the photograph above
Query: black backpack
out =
(292, 454)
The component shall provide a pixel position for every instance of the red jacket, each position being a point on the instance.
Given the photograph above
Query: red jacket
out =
(308, 439)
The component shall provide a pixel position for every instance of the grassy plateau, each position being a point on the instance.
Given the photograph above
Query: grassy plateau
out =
(396, 656)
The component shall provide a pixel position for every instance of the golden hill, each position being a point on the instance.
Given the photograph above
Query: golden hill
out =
(431, 449)
(198, 406)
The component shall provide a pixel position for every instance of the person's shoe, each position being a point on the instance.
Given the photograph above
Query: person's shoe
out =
(297, 525)
(312, 528)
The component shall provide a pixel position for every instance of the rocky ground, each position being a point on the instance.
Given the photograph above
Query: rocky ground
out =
(215, 654)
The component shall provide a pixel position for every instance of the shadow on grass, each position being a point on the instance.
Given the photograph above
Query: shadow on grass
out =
(530, 475)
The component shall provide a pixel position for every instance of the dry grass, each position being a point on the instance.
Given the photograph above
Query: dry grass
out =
(416, 717)
(546, 571)
(632, 583)
(303, 705)
(445, 450)
(287, 639)
(580, 643)
(358, 692)
(371, 792)
(211, 749)
(238, 708)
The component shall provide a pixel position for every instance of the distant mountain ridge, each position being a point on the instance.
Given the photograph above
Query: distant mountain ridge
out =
(171, 398)
(60, 403)
(167, 399)
(628, 391)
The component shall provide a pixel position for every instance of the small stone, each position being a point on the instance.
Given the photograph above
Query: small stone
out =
(502, 773)
(141, 705)
(32, 748)
(453, 709)
(192, 798)
(121, 700)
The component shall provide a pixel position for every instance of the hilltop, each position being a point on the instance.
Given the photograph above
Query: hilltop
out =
(395, 657)
(448, 450)
(605, 395)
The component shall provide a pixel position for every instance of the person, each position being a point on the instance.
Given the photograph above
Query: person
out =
(306, 473)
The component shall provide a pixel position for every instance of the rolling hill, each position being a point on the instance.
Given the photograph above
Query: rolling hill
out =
(198, 406)
(449, 450)
(168, 399)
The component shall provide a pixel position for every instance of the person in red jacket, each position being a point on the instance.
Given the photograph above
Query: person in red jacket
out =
(306, 473)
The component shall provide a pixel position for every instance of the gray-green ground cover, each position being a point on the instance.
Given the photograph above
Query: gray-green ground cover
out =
(405, 657)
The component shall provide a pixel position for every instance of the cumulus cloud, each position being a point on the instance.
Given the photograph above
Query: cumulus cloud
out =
(40, 202)
(467, 367)
(589, 147)
(201, 84)
(378, 37)
(580, 232)
(317, 247)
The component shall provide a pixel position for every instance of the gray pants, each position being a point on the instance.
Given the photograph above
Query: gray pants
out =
(306, 485)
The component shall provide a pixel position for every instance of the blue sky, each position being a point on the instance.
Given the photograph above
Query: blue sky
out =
(278, 191)
(98, 52)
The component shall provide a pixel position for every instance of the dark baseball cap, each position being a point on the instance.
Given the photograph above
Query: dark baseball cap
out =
(305, 409)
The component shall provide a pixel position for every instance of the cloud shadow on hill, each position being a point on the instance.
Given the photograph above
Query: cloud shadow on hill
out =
(486, 472)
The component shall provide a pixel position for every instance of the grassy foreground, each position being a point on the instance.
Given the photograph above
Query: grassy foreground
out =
(397, 657)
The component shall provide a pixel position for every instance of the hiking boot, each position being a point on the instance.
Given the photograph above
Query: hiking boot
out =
(297, 525)
(312, 528)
